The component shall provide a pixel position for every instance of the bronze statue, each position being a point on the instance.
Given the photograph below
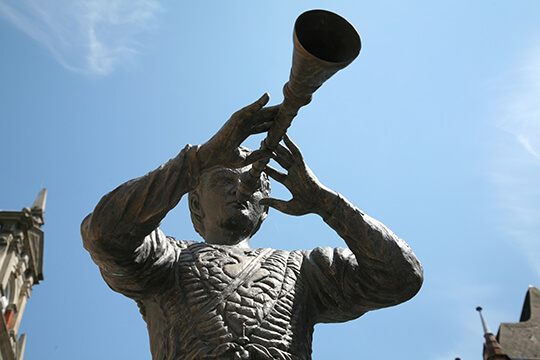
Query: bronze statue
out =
(221, 299)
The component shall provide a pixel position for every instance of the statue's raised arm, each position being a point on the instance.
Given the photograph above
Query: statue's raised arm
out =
(382, 269)
(115, 231)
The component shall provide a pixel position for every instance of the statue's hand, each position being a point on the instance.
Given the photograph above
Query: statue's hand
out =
(223, 149)
(308, 194)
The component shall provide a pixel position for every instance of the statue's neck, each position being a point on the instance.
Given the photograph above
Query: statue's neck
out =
(219, 239)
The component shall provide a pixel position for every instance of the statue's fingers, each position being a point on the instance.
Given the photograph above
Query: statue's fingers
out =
(255, 156)
(283, 156)
(259, 128)
(277, 204)
(295, 208)
(294, 149)
(247, 112)
(263, 100)
(264, 115)
(275, 174)
(257, 105)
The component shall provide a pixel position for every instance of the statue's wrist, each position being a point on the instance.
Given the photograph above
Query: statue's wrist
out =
(193, 165)
(328, 202)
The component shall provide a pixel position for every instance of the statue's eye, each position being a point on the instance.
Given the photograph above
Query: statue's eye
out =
(223, 182)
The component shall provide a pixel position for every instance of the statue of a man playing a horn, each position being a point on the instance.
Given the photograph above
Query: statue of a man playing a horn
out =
(221, 298)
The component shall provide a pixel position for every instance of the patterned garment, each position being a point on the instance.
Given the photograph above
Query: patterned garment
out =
(270, 314)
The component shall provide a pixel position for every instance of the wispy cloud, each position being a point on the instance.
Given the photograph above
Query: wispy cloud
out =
(93, 37)
(518, 162)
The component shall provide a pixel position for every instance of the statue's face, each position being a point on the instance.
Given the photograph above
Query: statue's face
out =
(222, 211)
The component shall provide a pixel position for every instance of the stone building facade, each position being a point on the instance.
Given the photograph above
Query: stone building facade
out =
(516, 341)
(21, 267)
(521, 340)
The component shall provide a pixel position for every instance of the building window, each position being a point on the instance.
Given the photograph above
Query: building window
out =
(5, 299)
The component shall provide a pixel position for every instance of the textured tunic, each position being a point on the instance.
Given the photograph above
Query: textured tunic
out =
(204, 301)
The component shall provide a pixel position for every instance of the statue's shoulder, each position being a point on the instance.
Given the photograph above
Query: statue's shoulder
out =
(300, 255)
(328, 258)
(327, 250)
(183, 244)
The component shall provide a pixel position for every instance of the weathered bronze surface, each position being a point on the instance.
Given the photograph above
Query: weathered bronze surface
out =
(220, 299)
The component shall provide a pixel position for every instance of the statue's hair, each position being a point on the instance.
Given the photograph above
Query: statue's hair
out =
(197, 217)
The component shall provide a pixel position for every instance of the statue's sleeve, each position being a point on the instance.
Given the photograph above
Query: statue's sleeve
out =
(122, 234)
(378, 269)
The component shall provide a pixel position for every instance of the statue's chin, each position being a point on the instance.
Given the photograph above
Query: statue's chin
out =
(240, 226)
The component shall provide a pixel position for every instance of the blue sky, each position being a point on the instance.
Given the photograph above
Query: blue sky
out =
(434, 130)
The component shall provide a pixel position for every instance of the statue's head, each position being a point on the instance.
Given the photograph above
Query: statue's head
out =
(216, 213)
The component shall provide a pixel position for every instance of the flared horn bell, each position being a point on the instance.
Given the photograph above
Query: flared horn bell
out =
(324, 43)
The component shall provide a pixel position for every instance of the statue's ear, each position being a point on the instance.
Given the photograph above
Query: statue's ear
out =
(265, 214)
(194, 204)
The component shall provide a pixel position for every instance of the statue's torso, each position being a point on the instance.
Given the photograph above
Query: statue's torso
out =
(264, 316)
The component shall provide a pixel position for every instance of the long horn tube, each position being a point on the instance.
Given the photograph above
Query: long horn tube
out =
(324, 43)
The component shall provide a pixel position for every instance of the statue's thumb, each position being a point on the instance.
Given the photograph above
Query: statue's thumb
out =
(277, 204)
(256, 156)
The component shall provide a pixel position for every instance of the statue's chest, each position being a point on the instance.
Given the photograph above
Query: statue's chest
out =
(240, 288)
